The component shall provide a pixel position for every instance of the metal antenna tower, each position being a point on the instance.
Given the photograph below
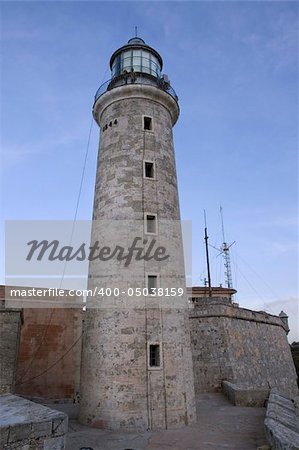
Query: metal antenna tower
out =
(225, 252)
(207, 256)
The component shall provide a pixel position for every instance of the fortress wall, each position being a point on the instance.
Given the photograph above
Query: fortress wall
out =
(245, 347)
(210, 355)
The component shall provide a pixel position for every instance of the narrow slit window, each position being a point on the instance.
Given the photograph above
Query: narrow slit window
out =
(154, 355)
(152, 284)
(151, 224)
(149, 169)
(147, 123)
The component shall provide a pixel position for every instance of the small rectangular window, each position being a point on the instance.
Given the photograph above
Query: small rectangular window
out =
(154, 355)
(152, 284)
(151, 223)
(147, 123)
(149, 169)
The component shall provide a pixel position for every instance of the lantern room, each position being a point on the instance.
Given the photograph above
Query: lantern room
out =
(136, 56)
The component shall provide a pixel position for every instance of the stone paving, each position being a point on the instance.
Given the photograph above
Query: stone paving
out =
(220, 426)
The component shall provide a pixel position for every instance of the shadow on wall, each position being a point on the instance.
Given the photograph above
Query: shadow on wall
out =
(295, 353)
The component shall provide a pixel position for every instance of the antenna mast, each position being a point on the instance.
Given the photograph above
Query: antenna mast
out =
(226, 255)
(207, 256)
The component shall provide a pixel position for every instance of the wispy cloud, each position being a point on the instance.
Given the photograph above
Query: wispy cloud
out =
(12, 154)
(291, 307)
(289, 302)
(15, 34)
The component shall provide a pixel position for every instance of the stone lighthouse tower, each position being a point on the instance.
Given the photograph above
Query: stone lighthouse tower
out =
(136, 371)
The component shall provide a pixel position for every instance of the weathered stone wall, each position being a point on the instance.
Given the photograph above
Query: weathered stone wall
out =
(46, 335)
(118, 388)
(295, 355)
(244, 347)
(210, 354)
(10, 324)
(121, 191)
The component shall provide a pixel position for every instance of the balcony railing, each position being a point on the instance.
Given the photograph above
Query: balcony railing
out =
(138, 78)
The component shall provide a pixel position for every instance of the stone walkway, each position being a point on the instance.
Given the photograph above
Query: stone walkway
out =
(220, 426)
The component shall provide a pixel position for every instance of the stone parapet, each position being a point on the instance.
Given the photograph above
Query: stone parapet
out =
(219, 307)
(27, 425)
(245, 396)
(281, 423)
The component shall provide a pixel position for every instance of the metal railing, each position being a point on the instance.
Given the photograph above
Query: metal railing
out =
(138, 78)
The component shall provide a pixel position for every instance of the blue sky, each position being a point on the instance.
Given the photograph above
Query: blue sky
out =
(234, 67)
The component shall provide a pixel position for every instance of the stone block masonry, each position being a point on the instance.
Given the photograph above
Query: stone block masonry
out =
(247, 348)
(244, 396)
(281, 423)
(25, 425)
(10, 324)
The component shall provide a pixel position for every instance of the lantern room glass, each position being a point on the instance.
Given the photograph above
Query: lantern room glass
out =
(138, 60)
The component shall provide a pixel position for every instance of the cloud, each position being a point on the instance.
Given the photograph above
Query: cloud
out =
(14, 34)
(290, 306)
(290, 303)
(13, 154)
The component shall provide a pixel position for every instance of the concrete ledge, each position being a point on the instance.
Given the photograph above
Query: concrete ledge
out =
(24, 424)
(281, 423)
(244, 396)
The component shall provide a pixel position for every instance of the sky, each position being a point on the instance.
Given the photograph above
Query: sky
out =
(234, 66)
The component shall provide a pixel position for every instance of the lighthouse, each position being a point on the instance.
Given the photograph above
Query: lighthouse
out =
(136, 370)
